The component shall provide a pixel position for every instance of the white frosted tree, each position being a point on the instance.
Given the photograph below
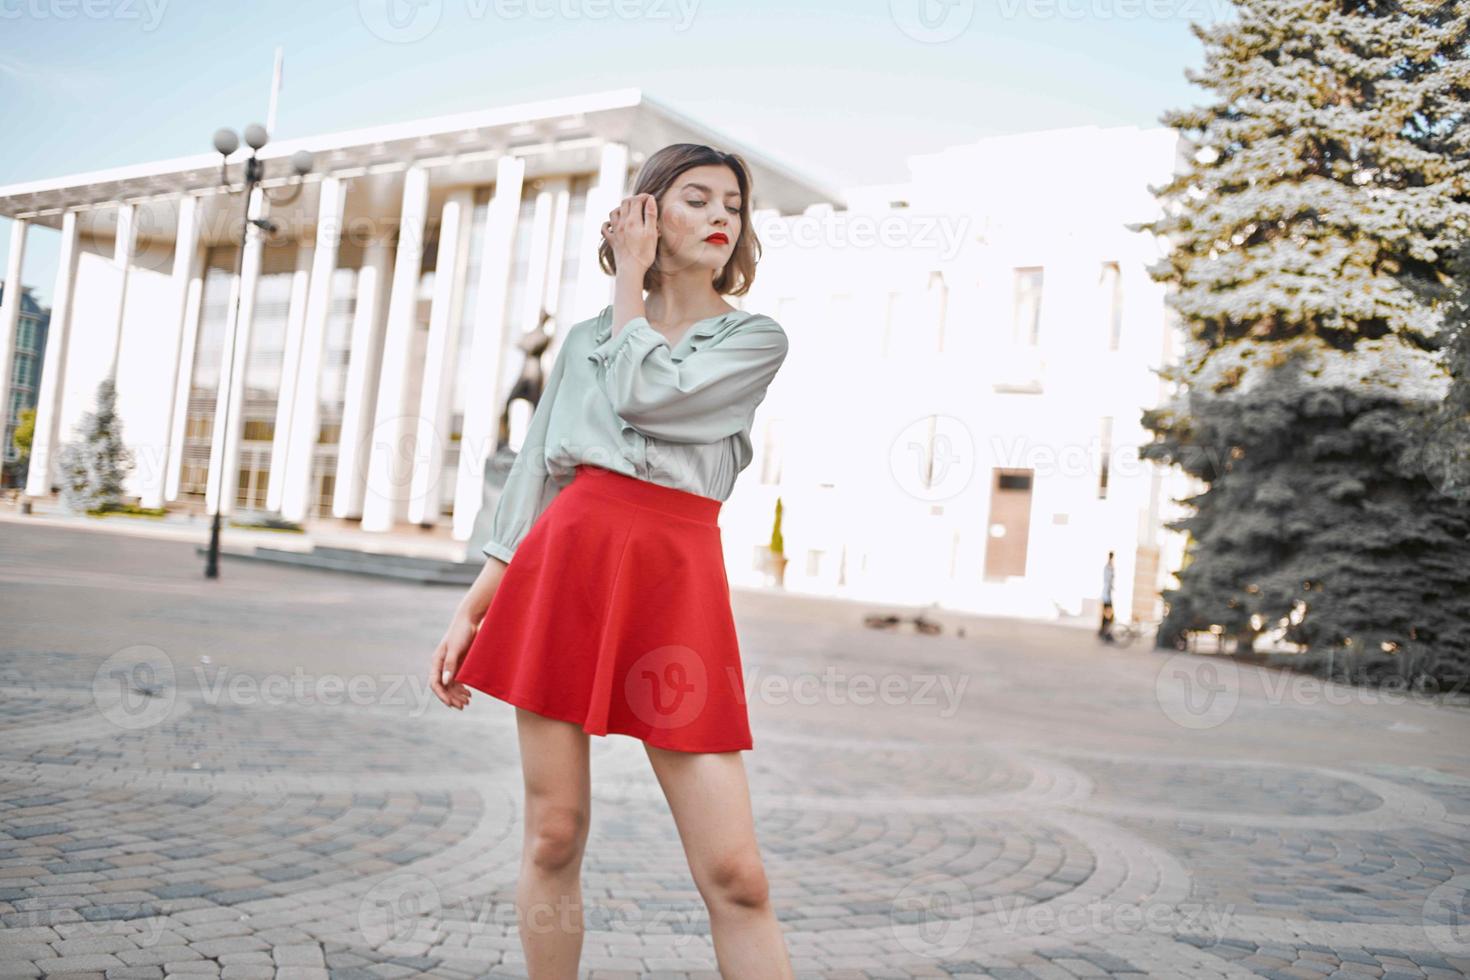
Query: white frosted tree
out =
(1316, 232)
(94, 465)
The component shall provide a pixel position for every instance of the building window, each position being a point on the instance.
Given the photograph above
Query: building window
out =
(193, 477)
(1107, 454)
(1111, 282)
(253, 481)
(326, 491)
(1026, 316)
(242, 481)
(259, 430)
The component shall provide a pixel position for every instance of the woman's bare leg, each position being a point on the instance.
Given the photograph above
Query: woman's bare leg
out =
(554, 763)
(710, 800)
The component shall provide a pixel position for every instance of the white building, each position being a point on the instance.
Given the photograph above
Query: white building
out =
(967, 348)
(958, 421)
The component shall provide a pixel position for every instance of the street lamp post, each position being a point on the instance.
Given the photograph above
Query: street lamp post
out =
(226, 142)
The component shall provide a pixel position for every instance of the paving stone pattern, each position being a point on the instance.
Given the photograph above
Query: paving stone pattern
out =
(1059, 823)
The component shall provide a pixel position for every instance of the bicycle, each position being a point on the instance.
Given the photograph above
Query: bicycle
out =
(1125, 634)
(881, 621)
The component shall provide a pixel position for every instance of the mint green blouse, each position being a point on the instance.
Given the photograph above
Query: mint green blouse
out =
(678, 416)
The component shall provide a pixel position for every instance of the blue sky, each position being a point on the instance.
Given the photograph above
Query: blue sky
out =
(843, 91)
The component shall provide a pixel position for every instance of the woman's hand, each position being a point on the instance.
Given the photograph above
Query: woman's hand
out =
(462, 629)
(632, 232)
(447, 658)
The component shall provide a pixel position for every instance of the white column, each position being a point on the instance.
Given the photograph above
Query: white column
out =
(124, 246)
(224, 448)
(555, 261)
(290, 381)
(363, 356)
(528, 317)
(538, 269)
(48, 405)
(594, 287)
(176, 341)
(10, 317)
(389, 454)
(482, 400)
(298, 487)
(184, 382)
(455, 222)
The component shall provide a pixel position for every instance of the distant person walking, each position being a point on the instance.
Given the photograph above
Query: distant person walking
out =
(1104, 629)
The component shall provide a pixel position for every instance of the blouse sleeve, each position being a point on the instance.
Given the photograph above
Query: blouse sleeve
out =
(529, 488)
(707, 396)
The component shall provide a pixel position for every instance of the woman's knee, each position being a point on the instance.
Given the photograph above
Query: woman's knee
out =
(555, 835)
(738, 878)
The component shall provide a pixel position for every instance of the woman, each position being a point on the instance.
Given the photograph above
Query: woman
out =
(604, 605)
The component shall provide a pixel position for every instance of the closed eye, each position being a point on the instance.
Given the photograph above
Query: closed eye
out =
(700, 204)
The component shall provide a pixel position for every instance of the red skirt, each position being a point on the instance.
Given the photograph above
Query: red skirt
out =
(614, 614)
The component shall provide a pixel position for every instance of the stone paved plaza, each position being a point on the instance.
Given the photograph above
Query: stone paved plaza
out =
(248, 778)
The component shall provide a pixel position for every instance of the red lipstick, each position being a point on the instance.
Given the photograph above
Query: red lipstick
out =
(718, 238)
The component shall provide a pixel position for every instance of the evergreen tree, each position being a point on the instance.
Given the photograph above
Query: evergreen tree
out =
(94, 466)
(1315, 233)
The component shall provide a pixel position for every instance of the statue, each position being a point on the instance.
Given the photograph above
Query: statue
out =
(528, 386)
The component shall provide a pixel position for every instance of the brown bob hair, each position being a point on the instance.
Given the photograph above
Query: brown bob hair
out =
(658, 174)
